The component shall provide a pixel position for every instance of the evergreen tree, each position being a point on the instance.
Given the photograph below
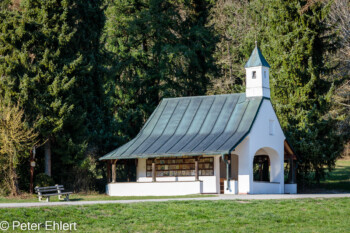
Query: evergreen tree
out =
(295, 43)
(162, 49)
(51, 63)
(235, 28)
(4, 4)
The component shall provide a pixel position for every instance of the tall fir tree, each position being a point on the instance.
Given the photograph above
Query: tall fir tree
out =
(162, 49)
(296, 42)
(235, 28)
(51, 63)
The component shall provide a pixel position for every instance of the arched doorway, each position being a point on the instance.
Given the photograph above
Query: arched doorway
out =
(261, 168)
(267, 171)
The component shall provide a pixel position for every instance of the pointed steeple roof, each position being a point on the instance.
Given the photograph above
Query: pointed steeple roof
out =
(256, 59)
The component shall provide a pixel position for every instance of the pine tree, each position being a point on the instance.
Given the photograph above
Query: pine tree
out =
(162, 49)
(235, 28)
(51, 63)
(295, 43)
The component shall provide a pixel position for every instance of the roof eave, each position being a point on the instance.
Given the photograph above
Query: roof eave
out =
(165, 155)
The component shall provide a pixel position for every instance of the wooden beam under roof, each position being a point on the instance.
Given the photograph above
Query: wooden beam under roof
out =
(288, 151)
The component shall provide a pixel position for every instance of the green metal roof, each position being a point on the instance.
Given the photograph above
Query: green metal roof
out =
(200, 125)
(256, 59)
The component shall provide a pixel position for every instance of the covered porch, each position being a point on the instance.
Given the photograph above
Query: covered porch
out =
(167, 176)
(181, 175)
(204, 174)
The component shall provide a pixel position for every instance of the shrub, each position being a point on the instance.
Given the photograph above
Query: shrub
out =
(43, 180)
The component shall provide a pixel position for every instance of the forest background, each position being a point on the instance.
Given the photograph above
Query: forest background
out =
(79, 78)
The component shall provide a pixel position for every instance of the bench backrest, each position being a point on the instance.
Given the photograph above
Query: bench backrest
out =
(49, 189)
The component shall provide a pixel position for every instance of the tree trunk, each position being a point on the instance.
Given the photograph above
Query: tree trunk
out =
(13, 177)
(48, 158)
(14, 183)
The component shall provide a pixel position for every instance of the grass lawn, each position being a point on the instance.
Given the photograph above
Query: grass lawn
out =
(339, 178)
(90, 197)
(301, 215)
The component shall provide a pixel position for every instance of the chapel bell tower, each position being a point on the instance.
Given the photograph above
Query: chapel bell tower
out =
(257, 75)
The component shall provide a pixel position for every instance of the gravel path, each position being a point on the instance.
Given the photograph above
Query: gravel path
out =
(215, 198)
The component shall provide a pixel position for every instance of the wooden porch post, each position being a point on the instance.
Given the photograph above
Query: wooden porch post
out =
(108, 171)
(196, 168)
(153, 170)
(114, 171)
(293, 171)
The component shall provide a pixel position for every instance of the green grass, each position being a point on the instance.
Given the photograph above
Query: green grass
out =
(339, 178)
(301, 215)
(90, 197)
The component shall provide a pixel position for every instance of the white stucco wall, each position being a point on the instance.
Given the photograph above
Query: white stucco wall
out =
(259, 86)
(154, 188)
(233, 187)
(244, 166)
(290, 188)
(260, 137)
(266, 188)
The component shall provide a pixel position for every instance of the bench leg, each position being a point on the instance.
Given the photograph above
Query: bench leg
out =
(60, 197)
(47, 199)
(40, 198)
(67, 197)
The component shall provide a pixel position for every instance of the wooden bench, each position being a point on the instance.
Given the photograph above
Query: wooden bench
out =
(50, 191)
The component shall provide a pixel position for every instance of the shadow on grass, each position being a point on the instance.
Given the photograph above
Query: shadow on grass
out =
(76, 199)
(336, 181)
